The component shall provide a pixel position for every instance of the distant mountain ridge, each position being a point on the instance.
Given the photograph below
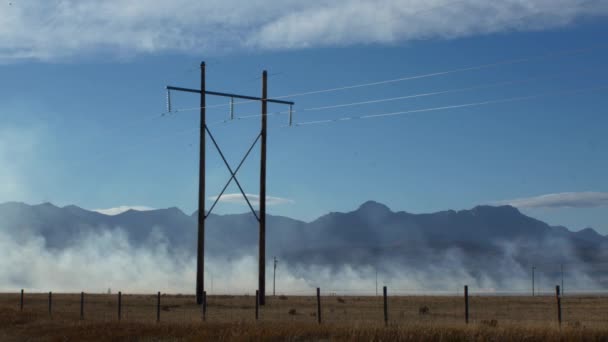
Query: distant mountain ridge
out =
(483, 236)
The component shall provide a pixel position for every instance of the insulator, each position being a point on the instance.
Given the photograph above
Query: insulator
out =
(290, 115)
(232, 108)
(168, 101)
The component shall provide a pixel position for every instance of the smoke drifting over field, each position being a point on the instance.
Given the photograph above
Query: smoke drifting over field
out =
(103, 258)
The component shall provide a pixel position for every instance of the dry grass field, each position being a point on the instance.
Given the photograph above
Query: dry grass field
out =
(411, 318)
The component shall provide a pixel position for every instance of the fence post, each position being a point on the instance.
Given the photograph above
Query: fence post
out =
(257, 303)
(466, 304)
(51, 304)
(21, 301)
(119, 305)
(204, 305)
(158, 307)
(559, 305)
(385, 307)
(319, 305)
(81, 305)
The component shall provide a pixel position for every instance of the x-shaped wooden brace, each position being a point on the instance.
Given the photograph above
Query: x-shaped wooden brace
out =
(232, 173)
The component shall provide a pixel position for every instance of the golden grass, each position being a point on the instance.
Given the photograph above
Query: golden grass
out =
(344, 318)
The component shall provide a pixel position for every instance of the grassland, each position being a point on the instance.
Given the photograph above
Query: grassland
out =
(295, 318)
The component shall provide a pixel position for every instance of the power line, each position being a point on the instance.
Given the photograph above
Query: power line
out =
(554, 54)
(405, 97)
(440, 73)
(472, 104)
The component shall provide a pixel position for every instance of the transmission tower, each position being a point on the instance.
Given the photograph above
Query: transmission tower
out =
(202, 216)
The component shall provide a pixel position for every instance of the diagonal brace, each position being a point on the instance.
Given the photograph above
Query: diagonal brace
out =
(233, 173)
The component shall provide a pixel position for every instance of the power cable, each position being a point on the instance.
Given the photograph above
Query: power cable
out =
(405, 97)
(472, 104)
(421, 76)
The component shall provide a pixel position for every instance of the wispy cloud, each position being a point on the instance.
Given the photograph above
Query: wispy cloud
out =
(59, 29)
(122, 209)
(254, 199)
(561, 200)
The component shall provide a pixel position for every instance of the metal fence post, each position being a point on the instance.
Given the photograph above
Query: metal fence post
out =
(21, 300)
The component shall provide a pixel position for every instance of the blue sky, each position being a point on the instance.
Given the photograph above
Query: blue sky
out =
(81, 105)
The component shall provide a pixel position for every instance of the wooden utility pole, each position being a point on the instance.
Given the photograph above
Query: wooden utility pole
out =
(262, 239)
(200, 257)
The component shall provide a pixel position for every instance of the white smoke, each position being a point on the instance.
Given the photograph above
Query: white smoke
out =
(102, 259)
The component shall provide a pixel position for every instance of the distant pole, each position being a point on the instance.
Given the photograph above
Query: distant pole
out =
(466, 304)
(376, 282)
(385, 306)
(262, 241)
(21, 301)
(274, 277)
(562, 274)
(81, 305)
(533, 268)
(319, 305)
(559, 305)
(119, 305)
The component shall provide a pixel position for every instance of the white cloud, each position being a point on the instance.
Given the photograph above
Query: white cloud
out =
(122, 209)
(562, 200)
(58, 29)
(254, 199)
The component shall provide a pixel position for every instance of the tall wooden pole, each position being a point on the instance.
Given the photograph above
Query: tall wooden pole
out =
(262, 247)
(200, 258)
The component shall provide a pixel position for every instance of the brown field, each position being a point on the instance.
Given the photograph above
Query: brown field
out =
(295, 318)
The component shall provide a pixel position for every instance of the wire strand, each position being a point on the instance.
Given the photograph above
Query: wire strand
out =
(553, 54)
(412, 96)
(472, 104)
